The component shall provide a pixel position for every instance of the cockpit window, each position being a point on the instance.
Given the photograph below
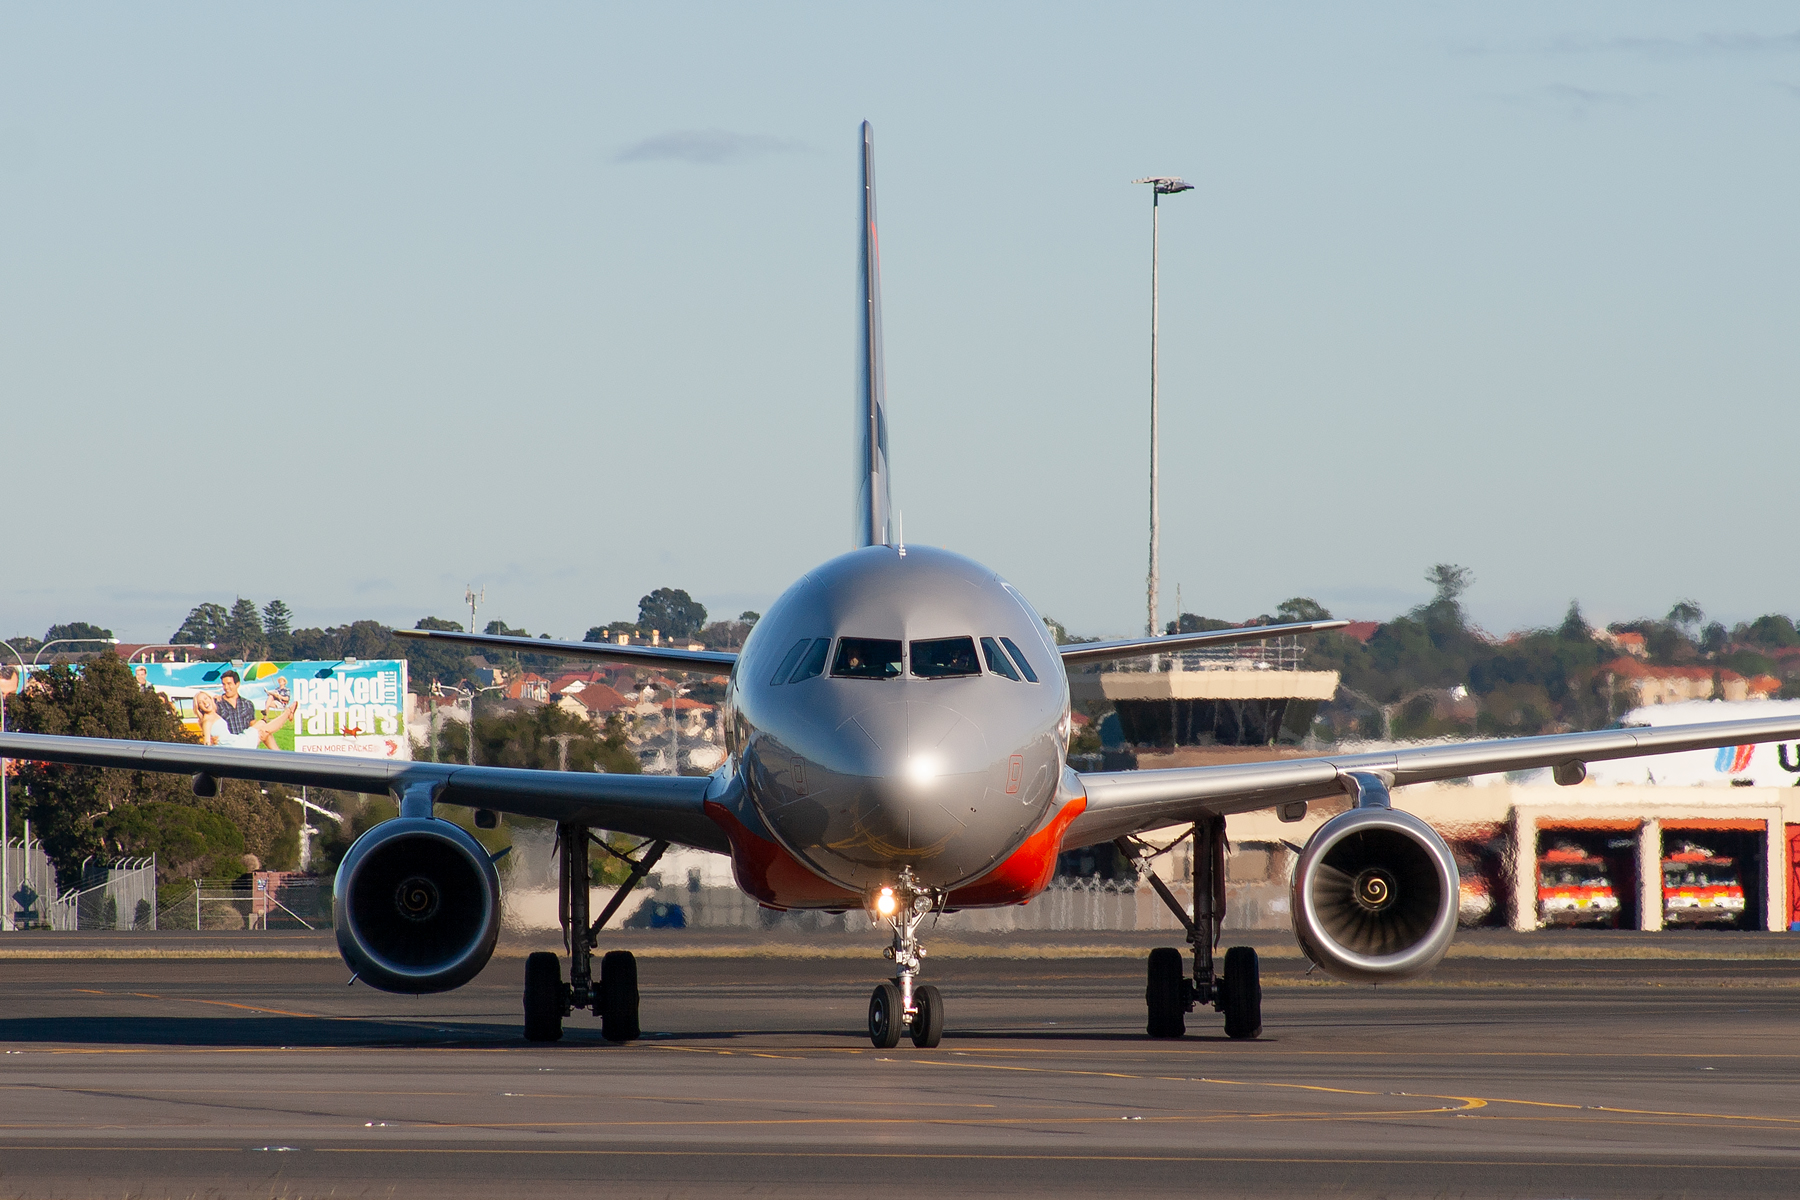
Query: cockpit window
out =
(945, 658)
(787, 664)
(814, 662)
(866, 658)
(1019, 658)
(996, 659)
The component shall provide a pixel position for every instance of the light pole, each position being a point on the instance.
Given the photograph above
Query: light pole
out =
(1160, 186)
(472, 692)
(5, 852)
(106, 641)
(676, 691)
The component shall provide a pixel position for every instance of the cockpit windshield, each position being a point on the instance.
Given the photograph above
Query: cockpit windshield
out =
(1019, 657)
(814, 662)
(867, 658)
(997, 661)
(945, 658)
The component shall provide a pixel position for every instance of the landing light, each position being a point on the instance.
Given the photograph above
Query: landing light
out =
(921, 768)
(885, 904)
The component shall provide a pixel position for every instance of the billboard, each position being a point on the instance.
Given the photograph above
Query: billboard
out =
(348, 707)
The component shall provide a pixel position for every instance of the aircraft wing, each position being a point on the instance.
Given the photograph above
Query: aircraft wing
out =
(655, 806)
(711, 662)
(1122, 802)
(1087, 652)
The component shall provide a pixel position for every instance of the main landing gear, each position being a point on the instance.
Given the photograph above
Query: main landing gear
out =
(614, 995)
(898, 1006)
(1170, 995)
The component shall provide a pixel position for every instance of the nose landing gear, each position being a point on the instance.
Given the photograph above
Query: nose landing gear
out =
(1169, 995)
(897, 1006)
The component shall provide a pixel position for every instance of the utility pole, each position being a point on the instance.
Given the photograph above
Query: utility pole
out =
(5, 851)
(1160, 186)
(474, 600)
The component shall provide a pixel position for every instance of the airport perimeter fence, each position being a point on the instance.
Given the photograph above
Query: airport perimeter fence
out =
(1068, 905)
(265, 900)
(122, 896)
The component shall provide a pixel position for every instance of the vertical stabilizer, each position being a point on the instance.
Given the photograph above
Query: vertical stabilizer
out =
(874, 505)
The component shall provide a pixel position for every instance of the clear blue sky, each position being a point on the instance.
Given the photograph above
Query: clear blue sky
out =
(355, 304)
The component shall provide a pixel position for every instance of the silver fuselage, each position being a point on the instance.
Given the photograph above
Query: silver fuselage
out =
(859, 778)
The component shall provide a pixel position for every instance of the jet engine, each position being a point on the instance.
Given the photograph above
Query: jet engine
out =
(1375, 896)
(417, 906)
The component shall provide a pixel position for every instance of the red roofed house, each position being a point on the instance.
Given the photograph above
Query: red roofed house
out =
(574, 681)
(1630, 643)
(593, 701)
(529, 686)
(1666, 685)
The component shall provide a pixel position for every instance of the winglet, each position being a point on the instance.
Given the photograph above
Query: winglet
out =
(873, 502)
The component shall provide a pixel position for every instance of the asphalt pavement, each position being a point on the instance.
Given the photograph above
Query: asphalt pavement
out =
(1626, 1066)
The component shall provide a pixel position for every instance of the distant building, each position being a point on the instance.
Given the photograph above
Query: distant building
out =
(1648, 684)
(1630, 643)
(529, 686)
(592, 701)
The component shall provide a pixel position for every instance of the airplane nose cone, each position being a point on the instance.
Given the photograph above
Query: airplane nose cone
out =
(913, 743)
(908, 778)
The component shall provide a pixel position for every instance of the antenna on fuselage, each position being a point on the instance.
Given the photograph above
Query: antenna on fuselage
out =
(873, 501)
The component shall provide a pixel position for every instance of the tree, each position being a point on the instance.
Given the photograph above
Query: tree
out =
(430, 662)
(77, 631)
(189, 842)
(749, 616)
(206, 623)
(244, 630)
(1301, 608)
(672, 611)
(1574, 626)
(66, 803)
(278, 621)
(1775, 631)
(1061, 636)
(1190, 623)
(1685, 614)
(1449, 581)
(544, 738)
(725, 635)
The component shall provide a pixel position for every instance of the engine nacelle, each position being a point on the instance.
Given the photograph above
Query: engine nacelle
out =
(417, 906)
(1375, 896)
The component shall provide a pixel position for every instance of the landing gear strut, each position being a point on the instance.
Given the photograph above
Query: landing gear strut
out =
(614, 995)
(898, 1006)
(1169, 994)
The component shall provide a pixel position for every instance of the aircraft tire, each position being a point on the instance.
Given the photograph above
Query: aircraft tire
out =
(543, 998)
(1163, 994)
(618, 1002)
(885, 1017)
(928, 1021)
(1241, 990)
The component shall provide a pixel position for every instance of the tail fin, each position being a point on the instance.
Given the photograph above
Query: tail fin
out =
(874, 504)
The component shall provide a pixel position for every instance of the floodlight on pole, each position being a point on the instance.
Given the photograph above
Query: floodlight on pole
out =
(104, 641)
(1160, 186)
(174, 646)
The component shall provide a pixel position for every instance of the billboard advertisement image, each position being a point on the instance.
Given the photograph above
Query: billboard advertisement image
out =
(353, 707)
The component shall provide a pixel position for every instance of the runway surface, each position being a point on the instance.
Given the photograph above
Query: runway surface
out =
(257, 1077)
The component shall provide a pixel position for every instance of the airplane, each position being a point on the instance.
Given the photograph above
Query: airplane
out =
(897, 731)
